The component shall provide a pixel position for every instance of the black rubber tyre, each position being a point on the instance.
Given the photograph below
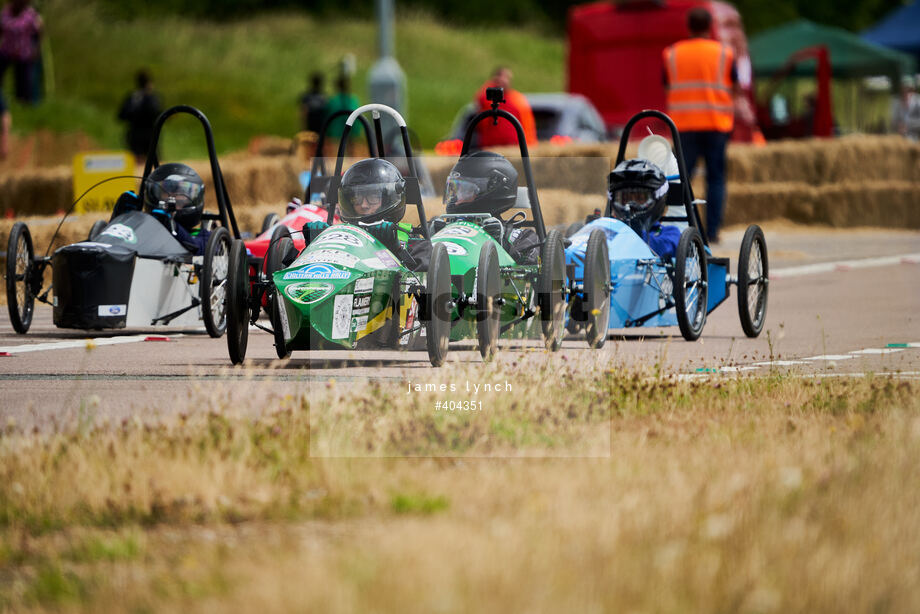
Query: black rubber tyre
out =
(573, 228)
(488, 301)
(97, 227)
(213, 289)
(273, 262)
(20, 268)
(274, 258)
(753, 281)
(551, 290)
(438, 299)
(237, 303)
(596, 293)
(268, 221)
(691, 284)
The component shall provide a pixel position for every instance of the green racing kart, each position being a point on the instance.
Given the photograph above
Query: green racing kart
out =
(345, 289)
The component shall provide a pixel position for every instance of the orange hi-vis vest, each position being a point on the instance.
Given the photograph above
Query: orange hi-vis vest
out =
(700, 85)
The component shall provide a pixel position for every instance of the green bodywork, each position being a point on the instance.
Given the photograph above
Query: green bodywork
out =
(347, 290)
(464, 241)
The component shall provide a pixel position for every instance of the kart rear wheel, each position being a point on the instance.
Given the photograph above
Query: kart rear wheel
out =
(573, 228)
(96, 228)
(274, 262)
(691, 284)
(596, 293)
(488, 301)
(20, 268)
(551, 290)
(237, 302)
(268, 221)
(753, 281)
(213, 289)
(439, 301)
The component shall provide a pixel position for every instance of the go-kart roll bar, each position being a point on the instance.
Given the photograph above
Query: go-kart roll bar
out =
(375, 110)
(223, 199)
(495, 113)
(319, 163)
(689, 203)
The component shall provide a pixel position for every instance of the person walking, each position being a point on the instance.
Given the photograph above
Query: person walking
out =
(140, 110)
(20, 33)
(343, 100)
(701, 82)
(313, 105)
(491, 135)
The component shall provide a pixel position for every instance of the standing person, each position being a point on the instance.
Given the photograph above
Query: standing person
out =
(905, 114)
(5, 122)
(491, 135)
(343, 99)
(313, 105)
(140, 110)
(20, 33)
(702, 82)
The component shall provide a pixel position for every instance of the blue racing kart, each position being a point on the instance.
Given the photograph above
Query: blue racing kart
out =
(618, 281)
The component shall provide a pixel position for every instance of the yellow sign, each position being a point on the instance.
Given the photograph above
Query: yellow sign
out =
(90, 172)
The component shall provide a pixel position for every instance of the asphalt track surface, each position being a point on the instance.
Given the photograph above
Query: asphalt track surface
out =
(840, 304)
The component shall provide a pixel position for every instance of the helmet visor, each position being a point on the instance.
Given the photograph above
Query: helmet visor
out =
(176, 189)
(364, 200)
(463, 190)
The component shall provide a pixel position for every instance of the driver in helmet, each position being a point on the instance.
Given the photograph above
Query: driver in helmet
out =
(372, 194)
(175, 196)
(637, 192)
(486, 182)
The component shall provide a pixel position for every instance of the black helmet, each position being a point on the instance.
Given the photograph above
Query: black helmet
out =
(177, 188)
(637, 191)
(371, 191)
(482, 182)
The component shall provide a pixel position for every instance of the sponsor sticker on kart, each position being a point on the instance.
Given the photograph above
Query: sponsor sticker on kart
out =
(453, 249)
(308, 292)
(386, 258)
(339, 237)
(112, 311)
(365, 284)
(456, 230)
(317, 271)
(361, 304)
(285, 323)
(341, 316)
(330, 256)
(120, 231)
(358, 324)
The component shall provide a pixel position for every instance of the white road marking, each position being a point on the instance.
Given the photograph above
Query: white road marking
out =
(878, 351)
(76, 343)
(830, 357)
(843, 265)
(779, 363)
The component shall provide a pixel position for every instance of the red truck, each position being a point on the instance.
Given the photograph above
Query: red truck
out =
(614, 54)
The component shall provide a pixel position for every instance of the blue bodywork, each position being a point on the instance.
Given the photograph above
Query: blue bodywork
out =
(640, 283)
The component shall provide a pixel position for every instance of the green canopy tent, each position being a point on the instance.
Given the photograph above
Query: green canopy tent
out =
(804, 49)
(850, 55)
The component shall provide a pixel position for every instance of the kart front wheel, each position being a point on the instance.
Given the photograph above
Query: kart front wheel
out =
(596, 293)
(274, 257)
(213, 289)
(753, 281)
(268, 221)
(274, 262)
(691, 284)
(488, 301)
(97, 227)
(551, 290)
(20, 268)
(237, 302)
(439, 301)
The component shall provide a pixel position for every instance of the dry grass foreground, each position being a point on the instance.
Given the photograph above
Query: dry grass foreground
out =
(776, 494)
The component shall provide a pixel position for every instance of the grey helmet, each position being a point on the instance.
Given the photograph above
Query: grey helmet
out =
(482, 182)
(372, 190)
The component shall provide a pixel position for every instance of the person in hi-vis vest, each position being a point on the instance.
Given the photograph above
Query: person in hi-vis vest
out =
(701, 81)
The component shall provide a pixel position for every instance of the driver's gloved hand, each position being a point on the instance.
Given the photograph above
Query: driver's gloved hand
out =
(436, 225)
(311, 230)
(494, 227)
(127, 201)
(162, 216)
(386, 233)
